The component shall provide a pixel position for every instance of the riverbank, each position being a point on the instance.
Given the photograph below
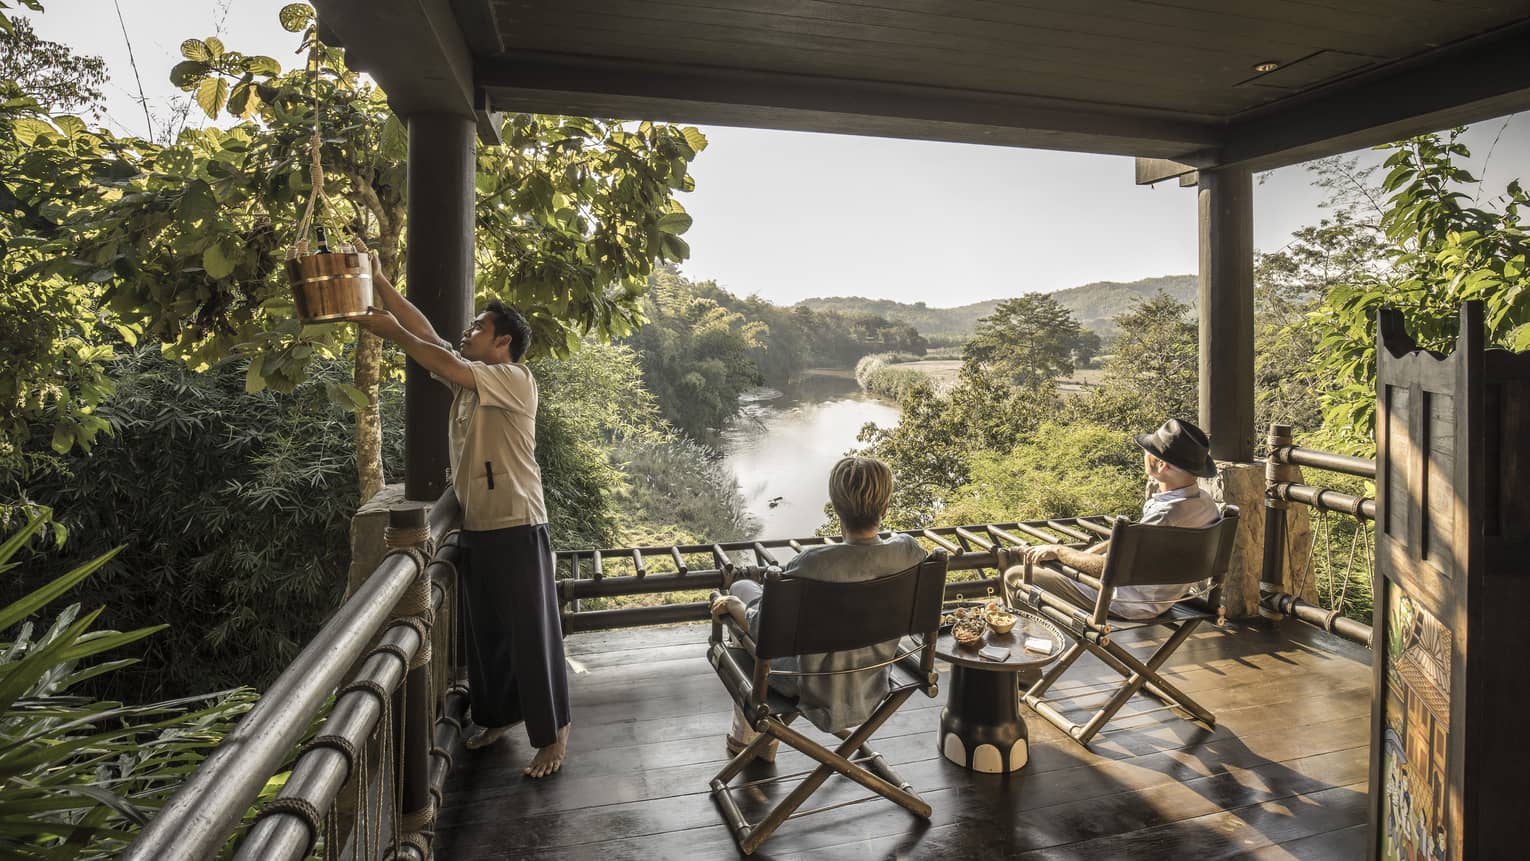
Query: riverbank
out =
(892, 379)
(783, 442)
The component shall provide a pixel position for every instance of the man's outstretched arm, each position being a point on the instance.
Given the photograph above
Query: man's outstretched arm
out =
(433, 356)
(411, 318)
(1091, 561)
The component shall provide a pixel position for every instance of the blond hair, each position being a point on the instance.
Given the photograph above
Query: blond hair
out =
(859, 488)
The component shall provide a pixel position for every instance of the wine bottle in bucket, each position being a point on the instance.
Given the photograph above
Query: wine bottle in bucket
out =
(329, 286)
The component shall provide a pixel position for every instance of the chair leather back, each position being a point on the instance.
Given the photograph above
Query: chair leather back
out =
(809, 617)
(1150, 555)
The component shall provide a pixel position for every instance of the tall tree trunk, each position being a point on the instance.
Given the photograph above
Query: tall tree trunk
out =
(369, 468)
(369, 354)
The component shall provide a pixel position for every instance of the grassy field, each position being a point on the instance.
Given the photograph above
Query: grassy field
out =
(943, 374)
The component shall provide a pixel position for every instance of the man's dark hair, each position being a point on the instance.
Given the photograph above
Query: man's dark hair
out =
(508, 321)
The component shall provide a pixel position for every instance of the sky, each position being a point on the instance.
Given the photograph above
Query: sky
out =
(792, 215)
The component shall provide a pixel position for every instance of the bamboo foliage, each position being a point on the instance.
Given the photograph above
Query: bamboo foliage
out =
(79, 776)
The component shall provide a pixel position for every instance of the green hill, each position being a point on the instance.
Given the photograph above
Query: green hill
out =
(1095, 305)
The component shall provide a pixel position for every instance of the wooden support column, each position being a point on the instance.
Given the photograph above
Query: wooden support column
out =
(1226, 215)
(440, 280)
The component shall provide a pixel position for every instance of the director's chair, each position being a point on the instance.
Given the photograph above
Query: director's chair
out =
(1139, 555)
(811, 617)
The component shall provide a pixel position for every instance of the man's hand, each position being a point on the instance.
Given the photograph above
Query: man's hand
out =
(379, 321)
(377, 274)
(730, 605)
(1040, 552)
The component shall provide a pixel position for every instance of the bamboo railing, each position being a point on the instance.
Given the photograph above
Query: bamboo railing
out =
(667, 569)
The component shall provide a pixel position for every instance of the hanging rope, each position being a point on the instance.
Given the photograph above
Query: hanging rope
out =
(315, 164)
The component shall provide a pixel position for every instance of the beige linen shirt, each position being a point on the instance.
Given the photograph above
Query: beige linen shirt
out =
(493, 448)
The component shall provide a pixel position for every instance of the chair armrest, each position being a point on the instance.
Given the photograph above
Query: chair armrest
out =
(740, 633)
(738, 682)
(1075, 574)
(726, 621)
(915, 661)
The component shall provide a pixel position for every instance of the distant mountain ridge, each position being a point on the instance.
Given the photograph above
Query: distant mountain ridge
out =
(1095, 305)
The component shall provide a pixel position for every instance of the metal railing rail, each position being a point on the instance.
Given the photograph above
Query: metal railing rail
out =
(1281, 490)
(208, 807)
(322, 769)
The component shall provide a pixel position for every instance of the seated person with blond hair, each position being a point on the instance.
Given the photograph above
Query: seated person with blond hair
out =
(1174, 456)
(859, 490)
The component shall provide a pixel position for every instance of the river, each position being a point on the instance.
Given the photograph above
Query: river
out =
(783, 443)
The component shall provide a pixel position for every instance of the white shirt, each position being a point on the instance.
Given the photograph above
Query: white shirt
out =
(1185, 506)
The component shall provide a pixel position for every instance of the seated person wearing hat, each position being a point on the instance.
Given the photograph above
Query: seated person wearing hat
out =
(1174, 456)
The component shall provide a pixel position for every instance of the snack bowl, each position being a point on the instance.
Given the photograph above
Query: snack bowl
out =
(968, 632)
(1002, 622)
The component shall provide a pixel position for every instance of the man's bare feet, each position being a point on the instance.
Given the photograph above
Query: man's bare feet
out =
(484, 736)
(549, 759)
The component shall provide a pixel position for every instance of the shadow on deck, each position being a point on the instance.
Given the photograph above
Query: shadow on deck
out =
(1283, 775)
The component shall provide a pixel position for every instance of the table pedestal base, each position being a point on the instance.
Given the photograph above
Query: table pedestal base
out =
(981, 727)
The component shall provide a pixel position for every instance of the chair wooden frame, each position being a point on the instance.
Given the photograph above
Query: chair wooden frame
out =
(1139, 555)
(789, 609)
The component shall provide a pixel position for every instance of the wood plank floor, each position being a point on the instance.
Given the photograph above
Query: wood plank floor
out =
(1282, 776)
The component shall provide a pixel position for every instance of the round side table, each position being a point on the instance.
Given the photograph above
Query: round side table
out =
(981, 727)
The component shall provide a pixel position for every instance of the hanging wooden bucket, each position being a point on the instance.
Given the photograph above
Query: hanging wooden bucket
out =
(330, 286)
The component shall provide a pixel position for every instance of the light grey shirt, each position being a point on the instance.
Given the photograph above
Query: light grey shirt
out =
(1187, 506)
(842, 701)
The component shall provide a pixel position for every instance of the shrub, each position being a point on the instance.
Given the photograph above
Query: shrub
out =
(1060, 471)
(233, 512)
(80, 776)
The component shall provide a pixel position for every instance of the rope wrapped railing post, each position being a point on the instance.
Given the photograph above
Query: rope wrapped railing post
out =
(335, 754)
(1275, 507)
(407, 533)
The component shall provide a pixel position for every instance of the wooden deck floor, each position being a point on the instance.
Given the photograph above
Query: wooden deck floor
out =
(1283, 775)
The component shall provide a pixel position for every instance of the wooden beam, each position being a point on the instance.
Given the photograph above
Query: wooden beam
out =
(1156, 170)
(415, 49)
(558, 83)
(1471, 80)
(1226, 216)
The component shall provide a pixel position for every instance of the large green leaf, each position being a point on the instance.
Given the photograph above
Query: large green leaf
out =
(186, 73)
(675, 222)
(28, 129)
(197, 202)
(217, 262)
(260, 64)
(210, 96)
(196, 49)
(24, 607)
(295, 16)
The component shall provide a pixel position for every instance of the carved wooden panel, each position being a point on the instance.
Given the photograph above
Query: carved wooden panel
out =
(1452, 587)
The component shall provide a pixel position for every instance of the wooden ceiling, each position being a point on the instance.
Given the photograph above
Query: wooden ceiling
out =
(1173, 79)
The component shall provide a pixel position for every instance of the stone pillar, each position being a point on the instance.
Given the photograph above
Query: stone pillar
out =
(442, 167)
(367, 526)
(1241, 484)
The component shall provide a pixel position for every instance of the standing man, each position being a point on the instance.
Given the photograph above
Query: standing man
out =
(516, 669)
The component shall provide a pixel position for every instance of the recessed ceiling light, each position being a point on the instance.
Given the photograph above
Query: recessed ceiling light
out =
(1266, 67)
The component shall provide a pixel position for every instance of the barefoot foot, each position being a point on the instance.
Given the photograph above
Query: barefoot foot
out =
(484, 736)
(549, 759)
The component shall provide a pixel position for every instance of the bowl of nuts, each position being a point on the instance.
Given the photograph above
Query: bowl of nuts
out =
(969, 632)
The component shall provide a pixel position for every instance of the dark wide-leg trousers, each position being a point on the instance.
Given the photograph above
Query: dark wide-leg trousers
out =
(516, 669)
